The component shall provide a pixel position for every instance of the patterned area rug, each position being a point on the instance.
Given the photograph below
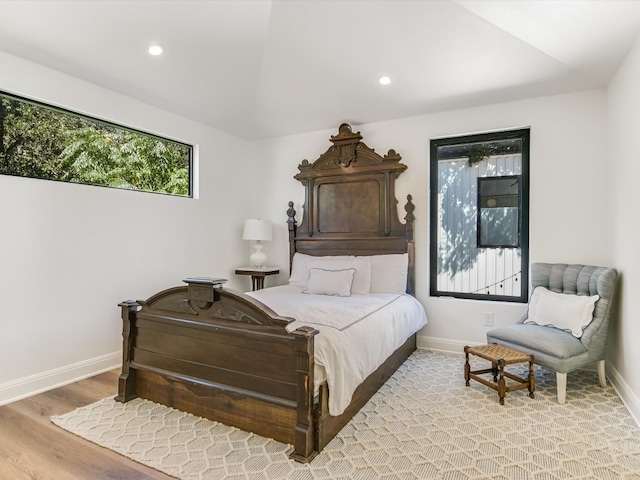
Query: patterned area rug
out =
(422, 424)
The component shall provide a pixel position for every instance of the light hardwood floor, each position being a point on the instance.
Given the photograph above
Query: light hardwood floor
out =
(31, 447)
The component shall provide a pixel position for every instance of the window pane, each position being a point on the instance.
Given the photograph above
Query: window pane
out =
(498, 227)
(499, 205)
(479, 240)
(40, 141)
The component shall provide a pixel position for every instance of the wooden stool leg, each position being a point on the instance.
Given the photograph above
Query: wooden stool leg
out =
(532, 380)
(502, 385)
(467, 368)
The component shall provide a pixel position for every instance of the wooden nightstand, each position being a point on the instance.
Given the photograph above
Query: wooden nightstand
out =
(257, 275)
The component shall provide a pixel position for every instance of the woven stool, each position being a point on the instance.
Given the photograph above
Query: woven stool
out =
(499, 357)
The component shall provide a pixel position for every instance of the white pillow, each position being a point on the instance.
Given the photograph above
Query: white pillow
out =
(299, 270)
(362, 266)
(564, 311)
(330, 282)
(389, 273)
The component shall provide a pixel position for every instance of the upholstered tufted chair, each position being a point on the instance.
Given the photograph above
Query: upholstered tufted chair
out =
(558, 349)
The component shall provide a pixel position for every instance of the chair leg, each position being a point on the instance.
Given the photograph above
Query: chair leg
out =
(602, 374)
(561, 381)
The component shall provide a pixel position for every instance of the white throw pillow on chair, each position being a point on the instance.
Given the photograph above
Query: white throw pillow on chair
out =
(561, 310)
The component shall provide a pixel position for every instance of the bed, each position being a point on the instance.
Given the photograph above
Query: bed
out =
(258, 361)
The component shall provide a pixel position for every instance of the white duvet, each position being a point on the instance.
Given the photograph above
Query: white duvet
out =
(357, 333)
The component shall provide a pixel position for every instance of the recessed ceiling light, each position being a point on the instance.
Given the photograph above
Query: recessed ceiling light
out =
(384, 80)
(155, 50)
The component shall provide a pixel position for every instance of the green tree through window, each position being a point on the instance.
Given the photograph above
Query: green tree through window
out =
(40, 141)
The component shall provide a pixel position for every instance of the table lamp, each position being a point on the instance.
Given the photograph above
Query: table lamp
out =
(259, 231)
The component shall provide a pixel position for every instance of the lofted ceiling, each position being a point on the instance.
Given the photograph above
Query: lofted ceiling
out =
(259, 69)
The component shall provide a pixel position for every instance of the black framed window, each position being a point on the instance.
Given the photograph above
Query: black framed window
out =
(50, 143)
(479, 194)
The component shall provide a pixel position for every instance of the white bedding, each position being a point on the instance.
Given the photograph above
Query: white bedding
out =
(357, 333)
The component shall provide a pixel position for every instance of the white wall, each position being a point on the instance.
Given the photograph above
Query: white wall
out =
(568, 191)
(584, 170)
(69, 253)
(624, 226)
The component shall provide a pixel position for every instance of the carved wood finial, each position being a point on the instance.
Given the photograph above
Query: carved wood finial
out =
(392, 156)
(291, 213)
(305, 165)
(291, 221)
(409, 208)
(409, 219)
(291, 225)
(345, 133)
(346, 141)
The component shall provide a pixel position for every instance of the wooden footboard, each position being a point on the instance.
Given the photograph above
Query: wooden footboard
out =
(221, 355)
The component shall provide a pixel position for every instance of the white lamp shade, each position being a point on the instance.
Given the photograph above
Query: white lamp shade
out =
(257, 229)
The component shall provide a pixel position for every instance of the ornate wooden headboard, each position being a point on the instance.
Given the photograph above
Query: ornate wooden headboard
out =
(350, 206)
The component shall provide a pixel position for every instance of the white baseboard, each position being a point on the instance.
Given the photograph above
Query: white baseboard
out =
(441, 344)
(42, 382)
(628, 397)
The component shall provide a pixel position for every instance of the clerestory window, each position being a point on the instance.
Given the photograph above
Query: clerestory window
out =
(479, 193)
(46, 142)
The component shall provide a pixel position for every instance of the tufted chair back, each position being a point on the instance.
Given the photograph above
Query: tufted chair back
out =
(558, 349)
(581, 280)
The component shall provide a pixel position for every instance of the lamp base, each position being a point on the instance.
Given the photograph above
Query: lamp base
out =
(258, 258)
